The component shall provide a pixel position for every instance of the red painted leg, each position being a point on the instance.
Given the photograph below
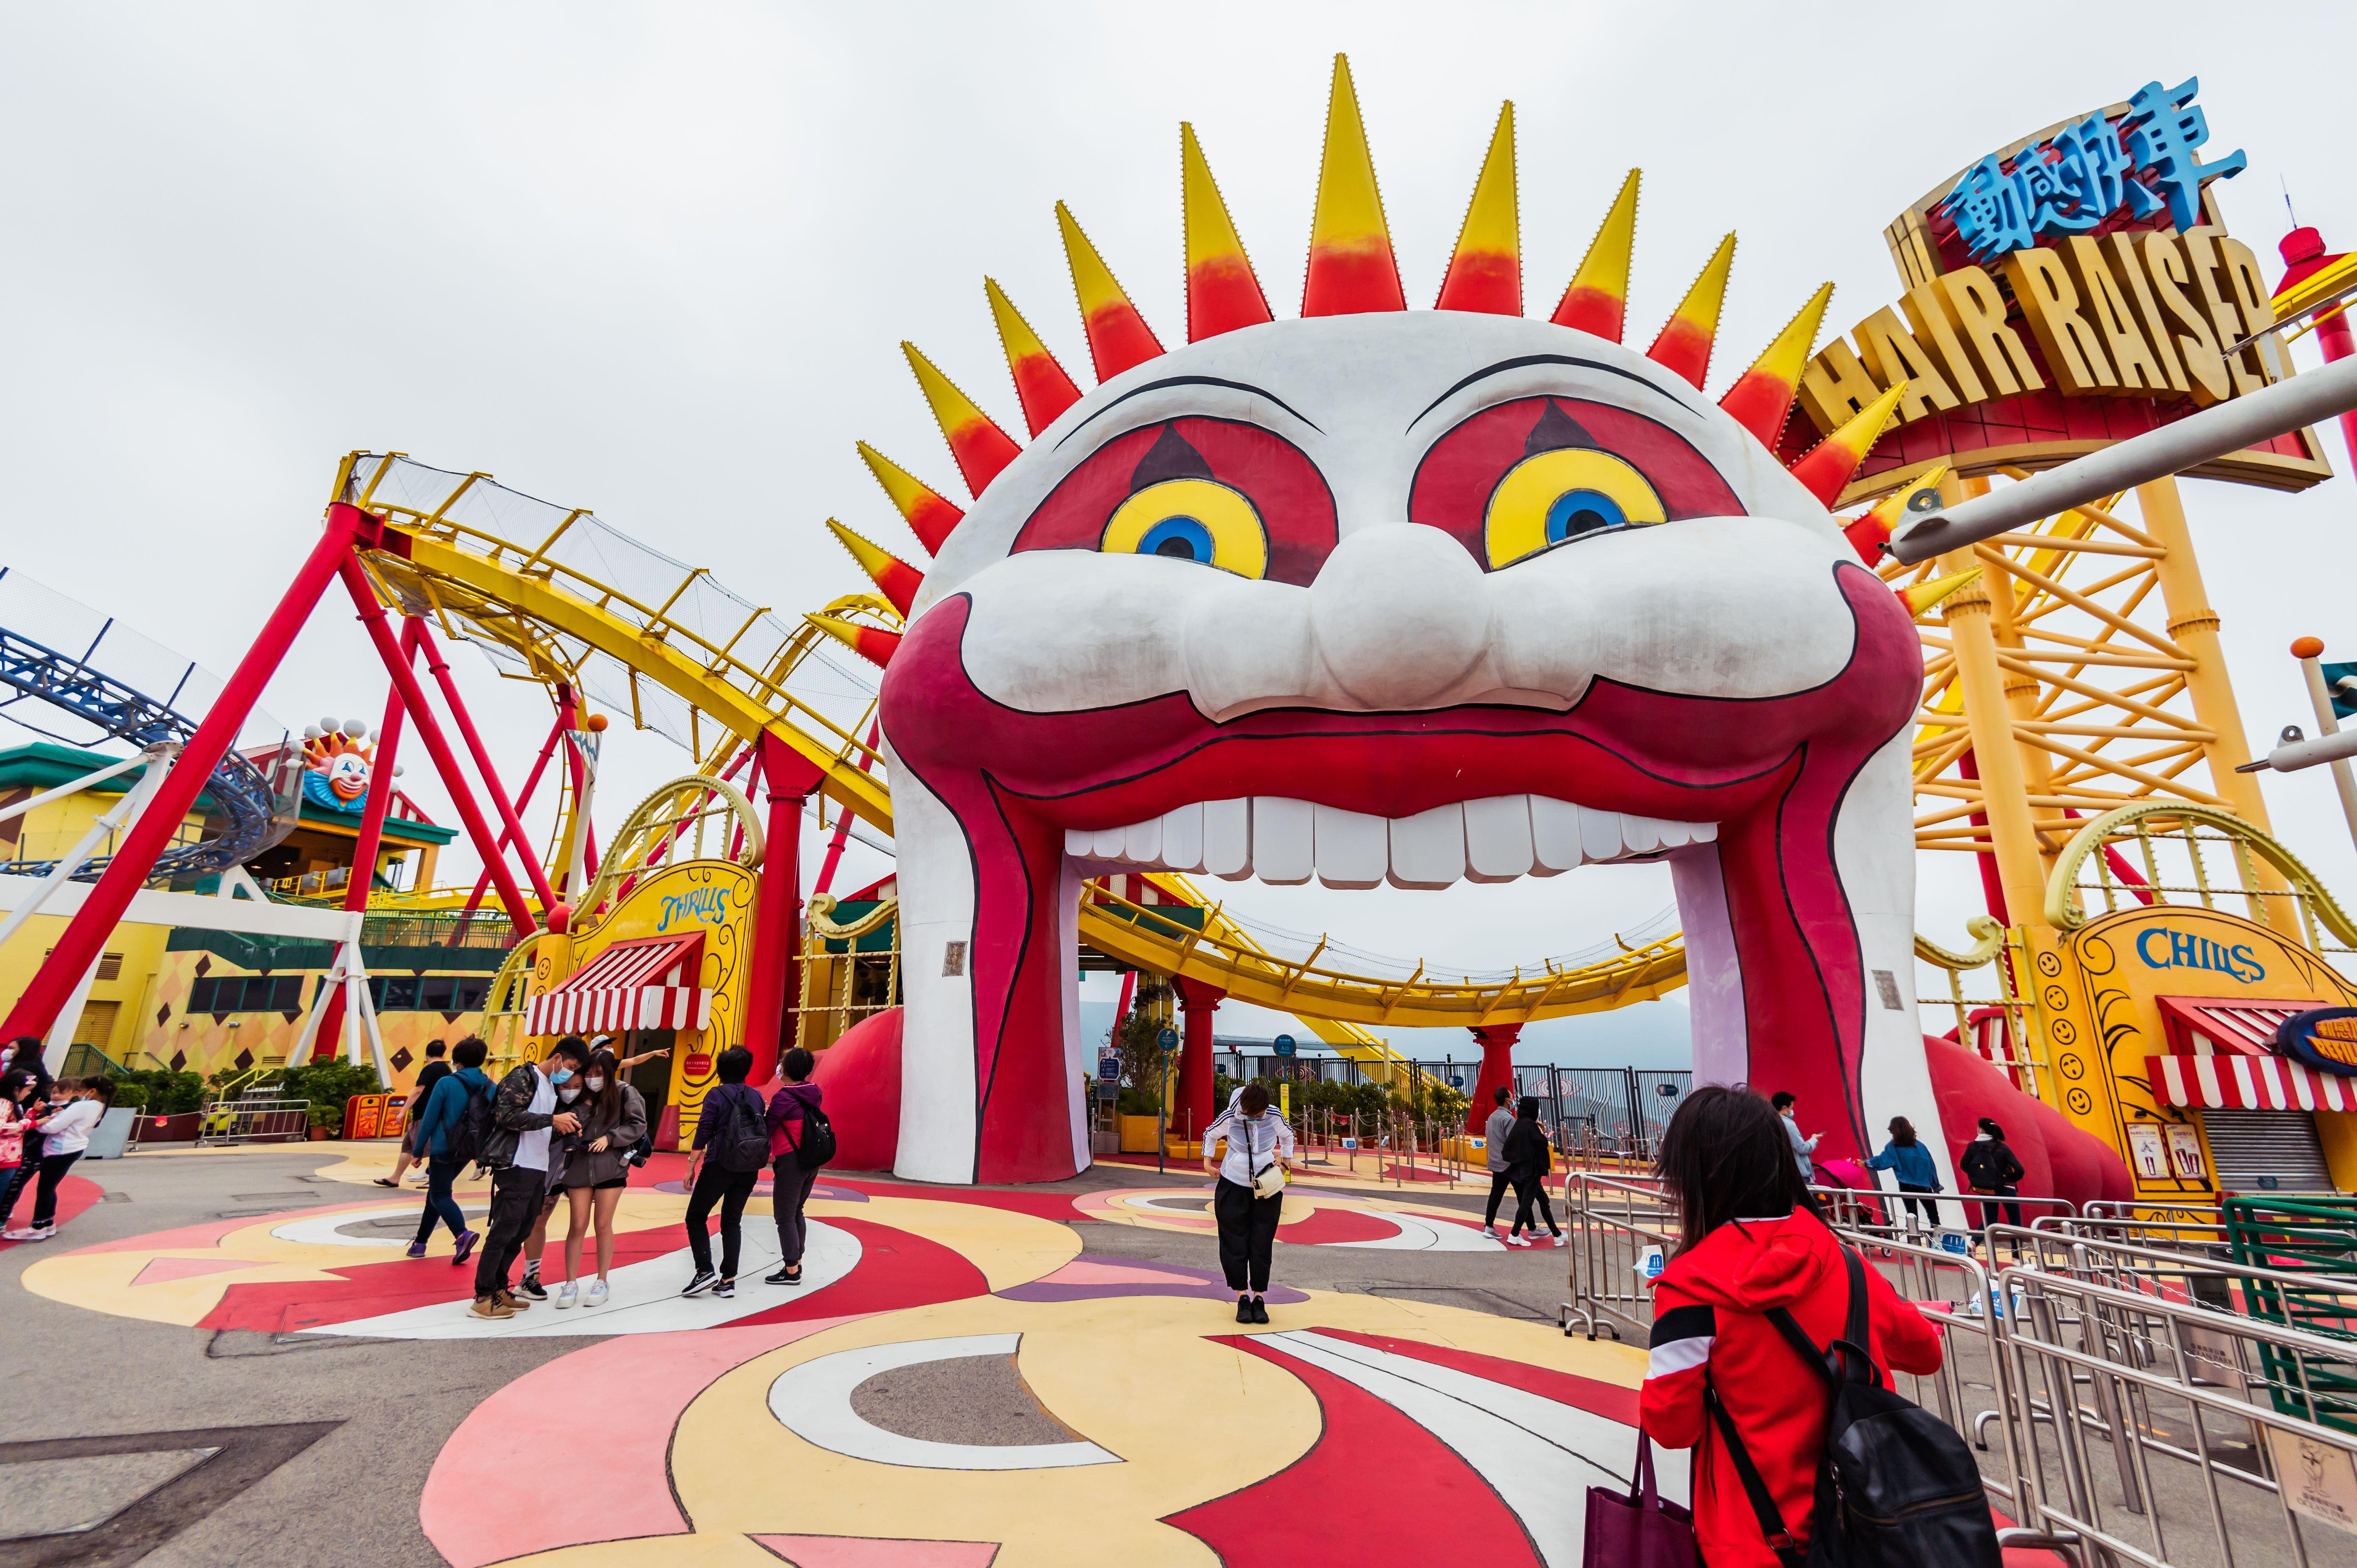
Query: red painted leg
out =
(1497, 1043)
(1197, 1005)
(777, 919)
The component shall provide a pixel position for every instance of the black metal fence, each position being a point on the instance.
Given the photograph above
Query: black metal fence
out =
(1616, 1112)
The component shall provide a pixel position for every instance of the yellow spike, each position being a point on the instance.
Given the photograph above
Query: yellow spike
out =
(1118, 335)
(1351, 264)
(1222, 294)
(1686, 337)
(1762, 396)
(1923, 596)
(980, 448)
(1598, 300)
(1485, 271)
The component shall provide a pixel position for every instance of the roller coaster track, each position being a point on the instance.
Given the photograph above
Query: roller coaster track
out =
(251, 816)
(681, 654)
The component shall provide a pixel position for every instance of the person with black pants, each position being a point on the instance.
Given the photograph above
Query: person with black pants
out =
(1256, 1139)
(26, 1057)
(1493, 1140)
(66, 1133)
(1529, 1157)
(790, 1184)
(524, 1115)
(1990, 1166)
(710, 1182)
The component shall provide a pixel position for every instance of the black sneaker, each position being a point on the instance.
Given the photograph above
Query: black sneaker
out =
(726, 1289)
(1243, 1309)
(1259, 1310)
(787, 1274)
(703, 1281)
(531, 1288)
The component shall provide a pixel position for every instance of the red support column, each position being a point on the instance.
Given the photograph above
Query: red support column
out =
(490, 776)
(1497, 1043)
(79, 946)
(2303, 255)
(523, 803)
(1197, 1004)
(378, 804)
(437, 745)
(776, 961)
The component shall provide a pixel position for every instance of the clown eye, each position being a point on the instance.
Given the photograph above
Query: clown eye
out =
(1565, 494)
(1200, 520)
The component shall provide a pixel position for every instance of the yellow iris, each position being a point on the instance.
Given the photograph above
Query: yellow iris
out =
(1191, 520)
(1554, 496)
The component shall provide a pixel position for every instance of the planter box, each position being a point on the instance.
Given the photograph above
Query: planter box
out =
(180, 1128)
(1138, 1133)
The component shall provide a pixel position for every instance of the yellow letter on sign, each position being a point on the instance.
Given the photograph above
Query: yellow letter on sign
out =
(2051, 304)
(2205, 371)
(2105, 304)
(1892, 356)
(1975, 311)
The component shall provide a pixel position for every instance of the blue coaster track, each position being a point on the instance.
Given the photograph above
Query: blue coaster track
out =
(248, 814)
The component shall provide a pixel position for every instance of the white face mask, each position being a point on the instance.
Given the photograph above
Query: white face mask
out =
(568, 1095)
(595, 1084)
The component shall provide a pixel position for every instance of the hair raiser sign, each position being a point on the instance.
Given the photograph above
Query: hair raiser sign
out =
(2323, 1040)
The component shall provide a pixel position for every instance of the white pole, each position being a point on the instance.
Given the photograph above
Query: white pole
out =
(73, 787)
(134, 799)
(302, 1051)
(61, 1033)
(366, 1008)
(2326, 724)
(2305, 399)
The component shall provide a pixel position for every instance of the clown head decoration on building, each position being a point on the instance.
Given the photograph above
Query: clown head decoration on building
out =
(337, 758)
(1384, 594)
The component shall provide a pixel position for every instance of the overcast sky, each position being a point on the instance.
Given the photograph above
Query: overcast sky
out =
(656, 261)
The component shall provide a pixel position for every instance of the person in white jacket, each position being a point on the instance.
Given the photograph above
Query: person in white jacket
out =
(1257, 1139)
(64, 1135)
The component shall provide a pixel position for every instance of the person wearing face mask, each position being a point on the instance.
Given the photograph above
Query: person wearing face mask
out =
(560, 1152)
(596, 1169)
(524, 1111)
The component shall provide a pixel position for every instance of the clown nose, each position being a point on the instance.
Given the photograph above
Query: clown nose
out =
(1399, 613)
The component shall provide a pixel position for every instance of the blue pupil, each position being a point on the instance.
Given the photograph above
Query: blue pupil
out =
(1575, 512)
(1181, 538)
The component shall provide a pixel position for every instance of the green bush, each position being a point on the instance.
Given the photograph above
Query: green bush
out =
(160, 1091)
(327, 1085)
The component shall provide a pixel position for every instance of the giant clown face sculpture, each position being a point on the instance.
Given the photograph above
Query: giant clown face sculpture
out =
(1389, 596)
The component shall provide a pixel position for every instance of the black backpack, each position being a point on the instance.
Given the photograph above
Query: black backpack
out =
(472, 1129)
(1895, 1487)
(815, 1147)
(743, 1141)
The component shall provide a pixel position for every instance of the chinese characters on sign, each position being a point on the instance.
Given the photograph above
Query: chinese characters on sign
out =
(2072, 183)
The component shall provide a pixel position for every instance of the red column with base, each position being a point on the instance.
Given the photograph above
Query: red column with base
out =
(1197, 1004)
(776, 971)
(437, 745)
(2303, 255)
(512, 827)
(1497, 1043)
(326, 1045)
(36, 1010)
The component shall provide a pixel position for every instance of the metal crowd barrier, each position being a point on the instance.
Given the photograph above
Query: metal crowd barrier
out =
(2129, 1409)
(252, 1120)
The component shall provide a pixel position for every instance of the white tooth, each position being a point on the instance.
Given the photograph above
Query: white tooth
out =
(1554, 835)
(1079, 844)
(1600, 833)
(1227, 839)
(1428, 849)
(1352, 848)
(1281, 840)
(1642, 836)
(1702, 832)
(1182, 839)
(1145, 842)
(1498, 838)
(1109, 843)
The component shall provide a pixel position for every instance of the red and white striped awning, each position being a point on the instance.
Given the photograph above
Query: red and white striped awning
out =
(2237, 1082)
(2212, 1023)
(637, 984)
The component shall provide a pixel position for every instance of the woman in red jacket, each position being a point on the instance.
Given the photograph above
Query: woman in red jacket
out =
(1751, 1240)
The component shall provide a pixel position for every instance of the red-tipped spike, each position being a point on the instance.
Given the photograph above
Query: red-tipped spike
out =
(1040, 384)
(894, 579)
(1119, 337)
(872, 643)
(1826, 468)
(1485, 272)
(930, 515)
(981, 448)
(1762, 396)
(1350, 265)
(1685, 343)
(1867, 533)
(1223, 295)
(1598, 296)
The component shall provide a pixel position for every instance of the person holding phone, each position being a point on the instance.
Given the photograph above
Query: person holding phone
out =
(1249, 1197)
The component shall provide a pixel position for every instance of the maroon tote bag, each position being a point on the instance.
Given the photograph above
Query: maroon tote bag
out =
(1638, 1530)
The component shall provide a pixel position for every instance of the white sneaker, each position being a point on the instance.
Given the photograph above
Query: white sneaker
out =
(1491, 1232)
(595, 1296)
(26, 1234)
(566, 1293)
(1517, 1241)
